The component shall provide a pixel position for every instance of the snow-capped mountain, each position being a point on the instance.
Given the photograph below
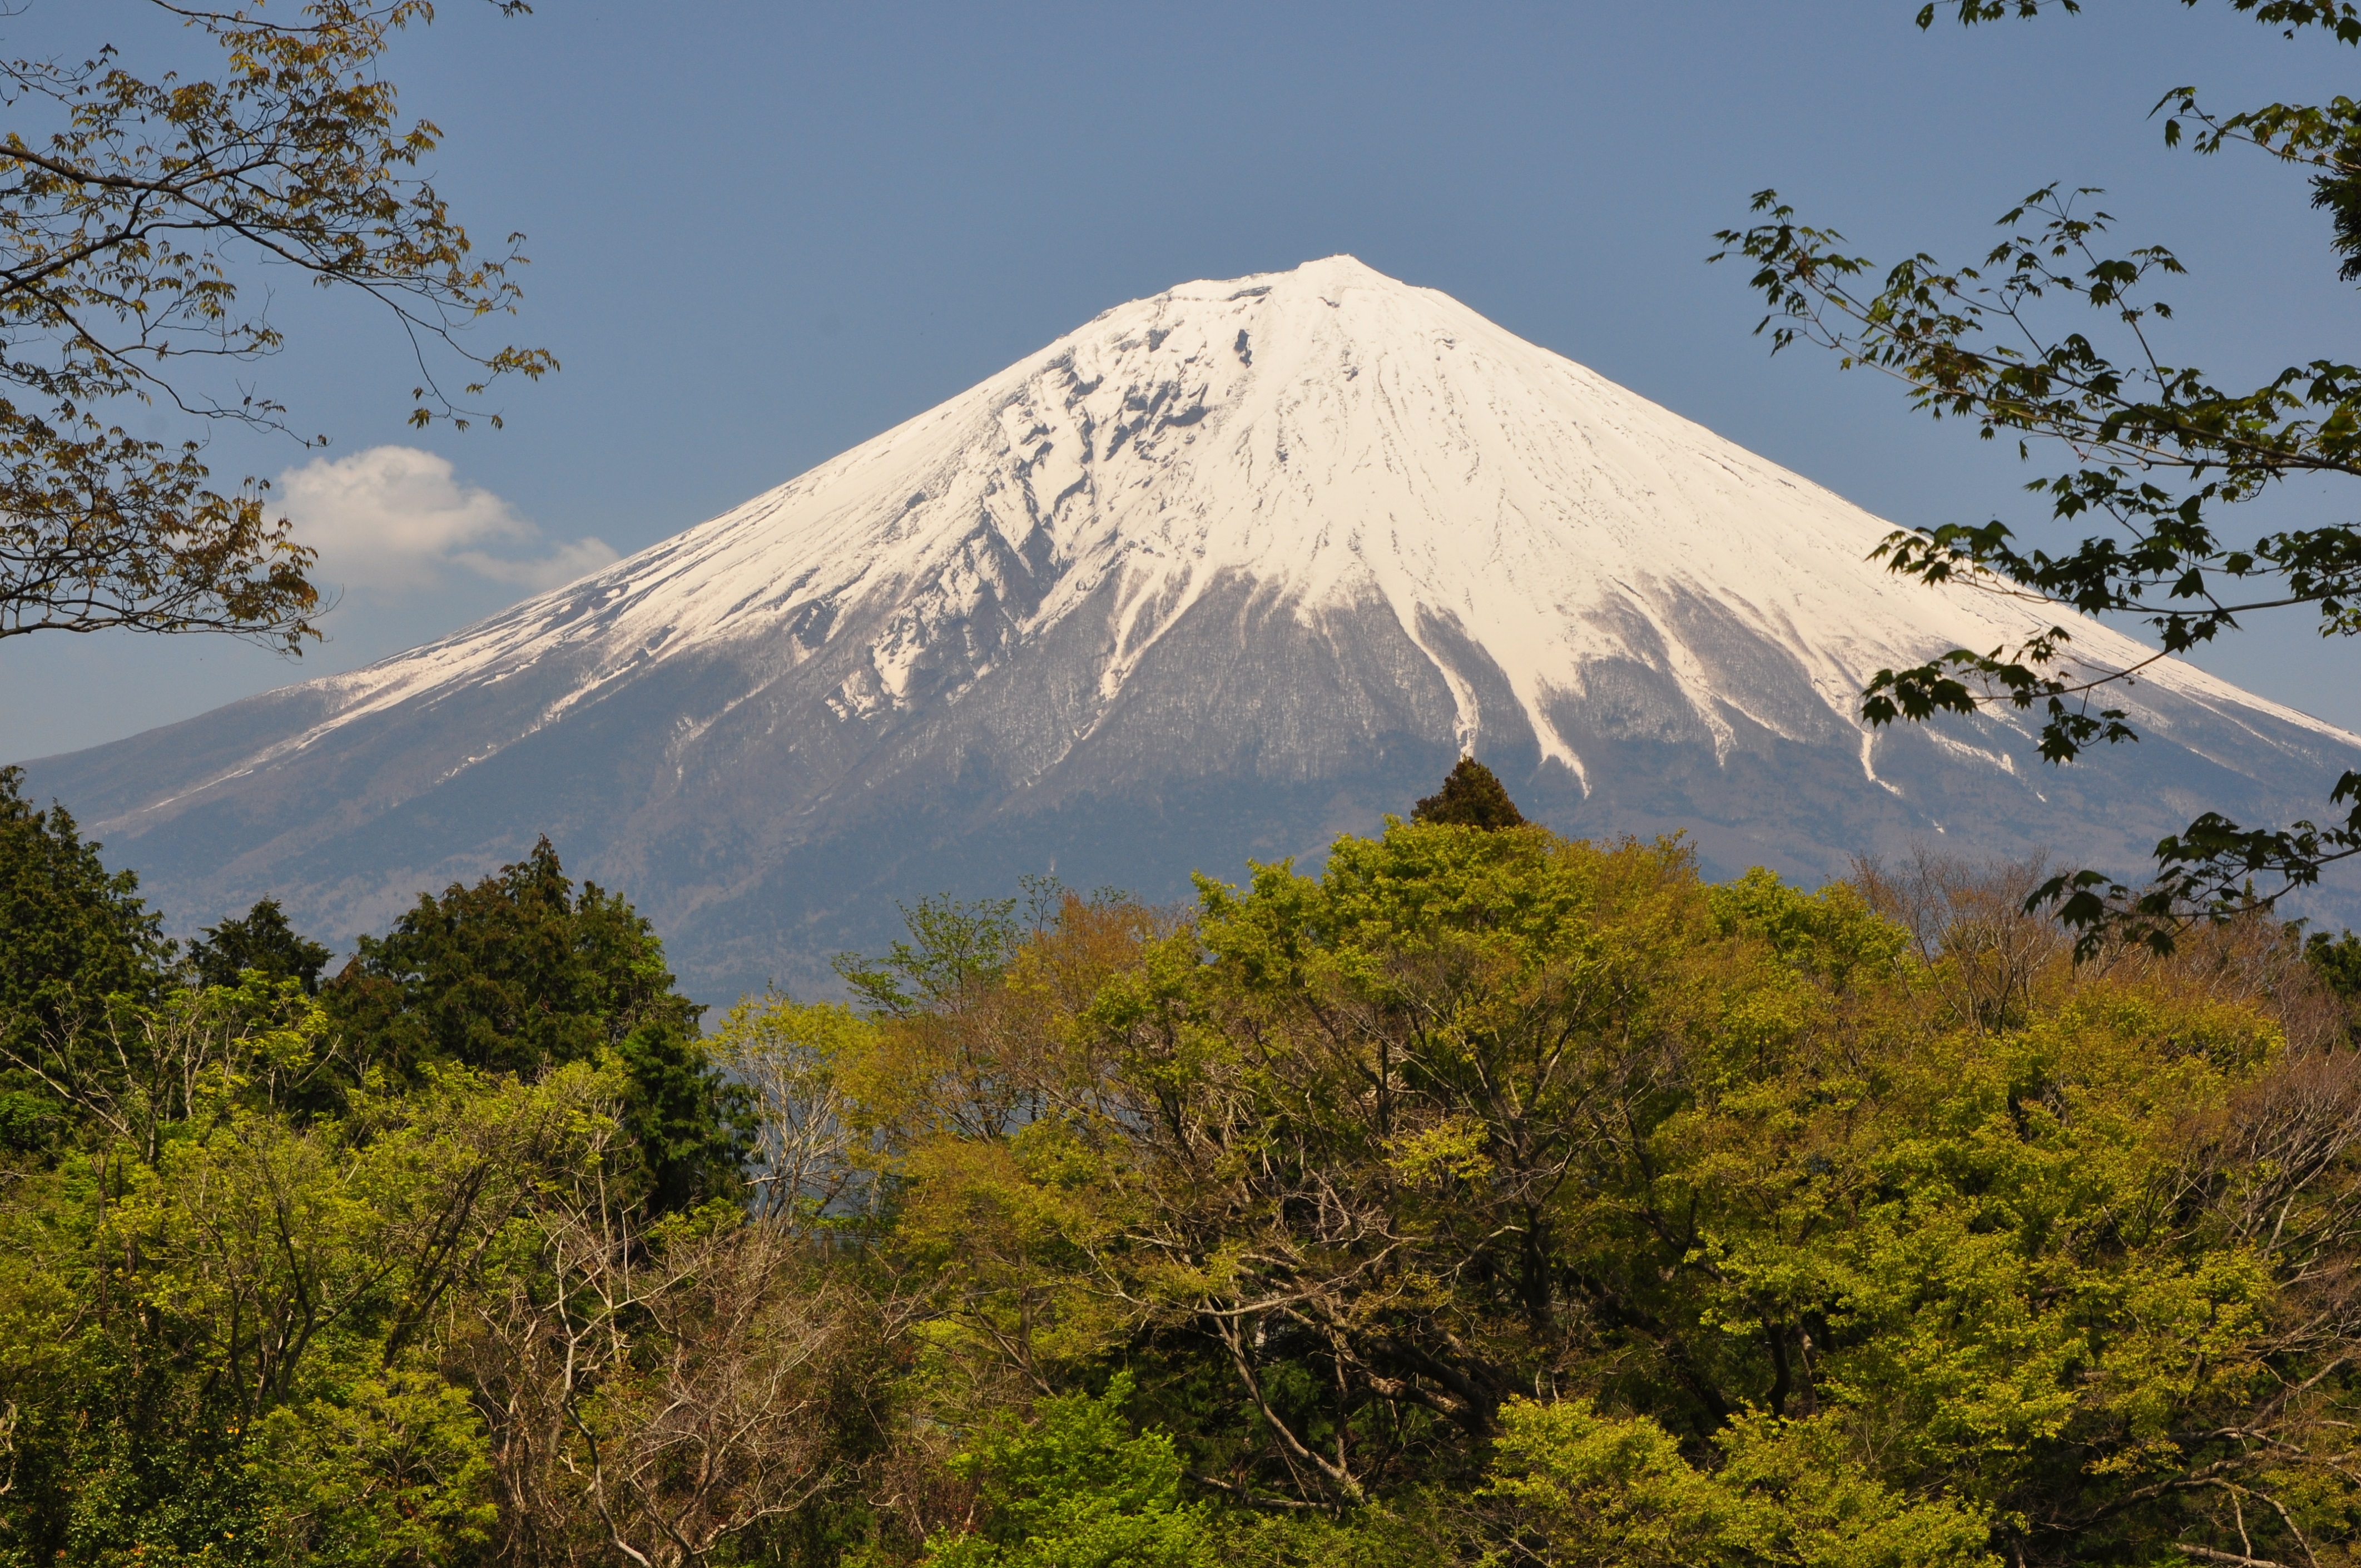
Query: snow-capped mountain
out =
(1218, 575)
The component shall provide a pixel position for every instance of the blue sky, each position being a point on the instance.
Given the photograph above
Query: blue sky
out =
(764, 231)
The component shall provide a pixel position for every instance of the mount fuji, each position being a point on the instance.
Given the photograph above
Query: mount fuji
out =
(1217, 575)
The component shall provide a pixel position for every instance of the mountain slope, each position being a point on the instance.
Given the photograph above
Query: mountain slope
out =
(1219, 574)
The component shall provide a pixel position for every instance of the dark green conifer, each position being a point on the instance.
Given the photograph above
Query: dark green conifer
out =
(694, 1128)
(261, 939)
(72, 934)
(522, 974)
(1471, 797)
(518, 973)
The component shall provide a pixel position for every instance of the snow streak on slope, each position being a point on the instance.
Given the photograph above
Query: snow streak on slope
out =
(1329, 435)
(1214, 578)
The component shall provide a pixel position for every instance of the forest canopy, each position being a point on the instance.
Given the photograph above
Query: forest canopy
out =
(1489, 1197)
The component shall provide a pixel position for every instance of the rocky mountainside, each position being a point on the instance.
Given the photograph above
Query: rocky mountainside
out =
(1215, 576)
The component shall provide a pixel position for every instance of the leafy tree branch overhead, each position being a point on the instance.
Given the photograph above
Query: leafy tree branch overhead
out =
(2158, 454)
(133, 227)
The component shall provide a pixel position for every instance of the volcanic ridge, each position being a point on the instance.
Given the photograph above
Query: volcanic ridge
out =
(1217, 575)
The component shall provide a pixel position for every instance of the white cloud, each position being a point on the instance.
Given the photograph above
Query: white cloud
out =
(392, 520)
(561, 565)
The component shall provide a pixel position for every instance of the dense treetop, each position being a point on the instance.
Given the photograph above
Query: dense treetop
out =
(1472, 797)
(76, 935)
(517, 973)
(261, 940)
(77, 932)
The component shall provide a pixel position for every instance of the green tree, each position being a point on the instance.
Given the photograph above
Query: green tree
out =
(1472, 797)
(261, 940)
(1581, 1487)
(225, 1347)
(694, 1129)
(1577, 1487)
(1881, 1273)
(2159, 455)
(138, 210)
(518, 973)
(72, 934)
(521, 975)
(1075, 1488)
(1393, 1075)
(952, 948)
(1488, 1199)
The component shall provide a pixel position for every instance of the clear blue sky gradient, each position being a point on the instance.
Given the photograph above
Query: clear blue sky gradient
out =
(764, 232)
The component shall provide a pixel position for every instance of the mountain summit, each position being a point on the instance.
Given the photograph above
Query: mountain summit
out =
(1216, 576)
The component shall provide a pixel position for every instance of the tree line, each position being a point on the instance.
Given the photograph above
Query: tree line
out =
(1490, 1197)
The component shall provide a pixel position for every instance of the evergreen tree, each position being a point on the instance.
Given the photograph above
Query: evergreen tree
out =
(1471, 797)
(263, 941)
(72, 933)
(694, 1128)
(521, 975)
(518, 973)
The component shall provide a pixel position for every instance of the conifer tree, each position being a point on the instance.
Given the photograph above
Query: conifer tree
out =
(72, 934)
(518, 973)
(522, 974)
(1472, 796)
(261, 940)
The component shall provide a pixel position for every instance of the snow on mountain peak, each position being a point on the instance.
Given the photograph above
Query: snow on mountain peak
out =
(1330, 434)
(1215, 576)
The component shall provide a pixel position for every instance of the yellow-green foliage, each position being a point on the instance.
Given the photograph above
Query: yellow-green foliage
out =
(1828, 1267)
(1488, 1198)
(1577, 1487)
(260, 1314)
(1074, 1487)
